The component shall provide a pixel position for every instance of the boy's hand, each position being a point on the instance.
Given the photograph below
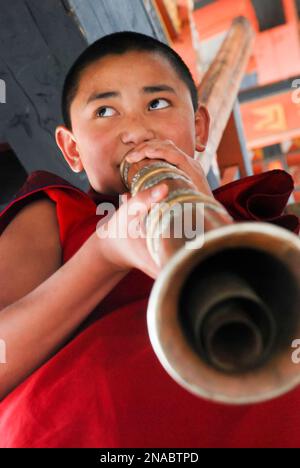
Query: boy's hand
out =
(122, 247)
(168, 151)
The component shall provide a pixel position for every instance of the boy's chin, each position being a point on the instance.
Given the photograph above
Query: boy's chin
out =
(113, 190)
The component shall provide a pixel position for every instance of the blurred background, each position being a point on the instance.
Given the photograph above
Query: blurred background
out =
(39, 40)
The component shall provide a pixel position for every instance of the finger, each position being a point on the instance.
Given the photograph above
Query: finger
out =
(153, 143)
(139, 151)
(144, 153)
(170, 154)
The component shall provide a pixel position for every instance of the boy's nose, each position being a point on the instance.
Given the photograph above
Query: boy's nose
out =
(136, 132)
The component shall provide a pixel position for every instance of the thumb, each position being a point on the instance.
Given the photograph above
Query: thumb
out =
(125, 197)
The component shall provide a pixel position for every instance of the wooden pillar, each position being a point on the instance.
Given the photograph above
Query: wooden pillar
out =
(220, 85)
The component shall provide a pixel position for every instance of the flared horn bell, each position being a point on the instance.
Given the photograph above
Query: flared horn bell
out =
(222, 315)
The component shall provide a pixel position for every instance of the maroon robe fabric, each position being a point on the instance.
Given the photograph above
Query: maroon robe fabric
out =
(105, 387)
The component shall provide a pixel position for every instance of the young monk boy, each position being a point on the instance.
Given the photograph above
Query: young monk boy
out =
(79, 368)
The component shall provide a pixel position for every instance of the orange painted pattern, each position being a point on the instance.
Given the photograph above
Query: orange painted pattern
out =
(271, 120)
(217, 17)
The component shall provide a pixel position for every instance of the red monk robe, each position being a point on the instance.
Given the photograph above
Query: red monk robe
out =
(105, 387)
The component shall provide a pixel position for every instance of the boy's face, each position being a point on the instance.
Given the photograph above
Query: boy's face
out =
(106, 128)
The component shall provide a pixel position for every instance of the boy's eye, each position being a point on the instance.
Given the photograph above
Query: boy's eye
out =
(105, 112)
(159, 104)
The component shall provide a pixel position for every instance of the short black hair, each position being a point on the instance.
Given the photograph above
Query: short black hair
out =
(118, 44)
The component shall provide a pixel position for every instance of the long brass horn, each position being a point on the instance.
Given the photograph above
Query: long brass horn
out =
(224, 310)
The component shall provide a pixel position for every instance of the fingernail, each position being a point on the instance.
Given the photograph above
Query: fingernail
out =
(132, 156)
(158, 192)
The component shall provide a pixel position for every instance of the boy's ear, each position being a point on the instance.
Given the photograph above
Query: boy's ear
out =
(67, 144)
(202, 121)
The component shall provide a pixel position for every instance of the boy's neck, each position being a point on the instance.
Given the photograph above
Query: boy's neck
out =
(98, 197)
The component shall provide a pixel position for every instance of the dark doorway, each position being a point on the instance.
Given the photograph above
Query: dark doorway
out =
(12, 174)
